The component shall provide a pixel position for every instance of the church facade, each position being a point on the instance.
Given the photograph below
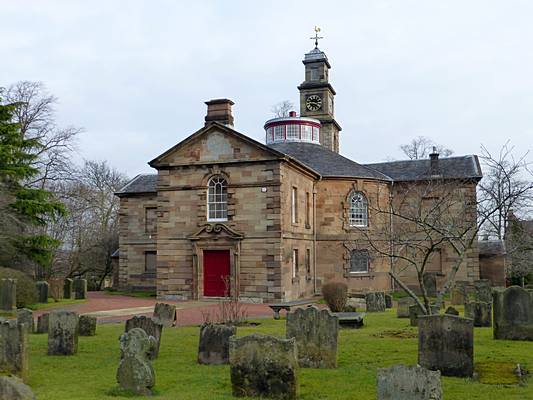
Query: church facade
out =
(271, 221)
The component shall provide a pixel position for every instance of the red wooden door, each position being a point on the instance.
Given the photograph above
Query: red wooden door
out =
(216, 270)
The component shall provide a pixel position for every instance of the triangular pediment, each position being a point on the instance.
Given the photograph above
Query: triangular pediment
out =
(215, 143)
(215, 231)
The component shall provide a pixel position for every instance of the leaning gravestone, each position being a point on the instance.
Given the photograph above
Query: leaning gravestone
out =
(63, 330)
(42, 323)
(213, 347)
(316, 333)
(87, 325)
(430, 283)
(375, 302)
(483, 291)
(415, 311)
(135, 372)
(14, 348)
(151, 327)
(165, 314)
(13, 388)
(403, 307)
(264, 366)
(25, 316)
(42, 291)
(400, 382)
(513, 314)
(80, 288)
(452, 311)
(8, 294)
(388, 301)
(446, 343)
(458, 293)
(480, 312)
(67, 288)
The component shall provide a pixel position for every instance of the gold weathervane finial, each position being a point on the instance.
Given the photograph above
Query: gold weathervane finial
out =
(316, 37)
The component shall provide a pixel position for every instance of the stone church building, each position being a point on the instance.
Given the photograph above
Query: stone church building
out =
(269, 221)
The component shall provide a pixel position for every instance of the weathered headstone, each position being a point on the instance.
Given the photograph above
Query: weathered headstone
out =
(388, 301)
(446, 343)
(480, 312)
(87, 325)
(135, 373)
(14, 348)
(458, 293)
(63, 330)
(13, 388)
(483, 290)
(25, 316)
(80, 288)
(42, 323)
(403, 307)
(263, 366)
(513, 313)
(430, 283)
(401, 382)
(151, 327)
(42, 291)
(316, 333)
(213, 346)
(165, 314)
(415, 311)
(8, 294)
(451, 311)
(355, 304)
(56, 289)
(375, 302)
(67, 288)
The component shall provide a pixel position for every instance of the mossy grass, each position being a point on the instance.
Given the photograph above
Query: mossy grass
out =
(54, 304)
(90, 374)
(149, 294)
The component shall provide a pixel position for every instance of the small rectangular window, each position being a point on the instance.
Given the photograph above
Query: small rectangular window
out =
(294, 205)
(150, 220)
(359, 261)
(294, 263)
(279, 132)
(306, 133)
(315, 134)
(307, 209)
(293, 132)
(314, 74)
(308, 262)
(150, 261)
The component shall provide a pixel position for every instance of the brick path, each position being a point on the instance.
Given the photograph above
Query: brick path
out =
(116, 308)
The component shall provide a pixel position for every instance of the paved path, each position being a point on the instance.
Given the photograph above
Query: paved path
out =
(117, 308)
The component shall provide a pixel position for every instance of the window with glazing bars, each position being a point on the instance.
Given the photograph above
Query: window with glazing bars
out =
(217, 199)
(359, 261)
(358, 209)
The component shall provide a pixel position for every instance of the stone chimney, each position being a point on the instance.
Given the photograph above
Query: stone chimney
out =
(219, 110)
(434, 162)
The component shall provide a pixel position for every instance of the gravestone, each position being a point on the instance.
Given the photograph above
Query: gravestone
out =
(42, 323)
(388, 301)
(458, 293)
(42, 291)
(480, 312)
(79, 287)
(67, 288)
(13, 388)
(14, 348)
(213, 346)
(263, 366)
(401, 382)
(446, 343)
(375, 302)
(151, 327)
(56, 288)
(25, 316)
(8, 294)
(87, 325)
(483, 291)
(165, 314)
(452, 311)
(355, 303)
(513, 313)
(316, 333)
(415, 311)
(135, 373)
(430, 283)
(63, 330)
(403, 307)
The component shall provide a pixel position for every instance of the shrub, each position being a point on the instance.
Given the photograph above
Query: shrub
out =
(26, 290)
(336, 295)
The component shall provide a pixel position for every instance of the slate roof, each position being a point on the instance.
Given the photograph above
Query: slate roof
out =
(326, 162)
(464, 167)
(489, 248)
(143, 183)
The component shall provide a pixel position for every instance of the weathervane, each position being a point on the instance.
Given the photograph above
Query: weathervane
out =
(317, 29)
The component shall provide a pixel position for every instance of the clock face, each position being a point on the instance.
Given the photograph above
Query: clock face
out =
(313, 103)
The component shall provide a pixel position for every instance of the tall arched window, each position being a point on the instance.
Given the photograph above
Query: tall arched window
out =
(217, 199)
(358, 209)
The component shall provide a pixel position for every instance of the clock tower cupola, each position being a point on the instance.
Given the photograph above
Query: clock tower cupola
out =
(317, 95)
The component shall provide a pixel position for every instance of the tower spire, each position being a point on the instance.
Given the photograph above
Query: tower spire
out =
(316, 37)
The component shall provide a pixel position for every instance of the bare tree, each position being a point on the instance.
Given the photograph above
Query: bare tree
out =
(282, 108)
(519, 249)
(421, 147)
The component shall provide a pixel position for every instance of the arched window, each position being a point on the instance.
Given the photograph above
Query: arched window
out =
(217, 199)
(358, 209)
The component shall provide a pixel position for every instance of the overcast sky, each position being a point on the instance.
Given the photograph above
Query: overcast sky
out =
(135, 74)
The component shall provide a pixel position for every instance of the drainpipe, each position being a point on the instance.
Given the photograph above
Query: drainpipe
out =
(391, 233)
(314, 238)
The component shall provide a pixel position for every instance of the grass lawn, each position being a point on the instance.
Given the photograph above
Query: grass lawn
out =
(53, 304)
(145, 294)
(384, 341)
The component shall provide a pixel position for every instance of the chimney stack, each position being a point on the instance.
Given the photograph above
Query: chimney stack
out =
(434, 162)
(219, 110)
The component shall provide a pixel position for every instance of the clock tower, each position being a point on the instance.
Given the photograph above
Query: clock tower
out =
(317, 96)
